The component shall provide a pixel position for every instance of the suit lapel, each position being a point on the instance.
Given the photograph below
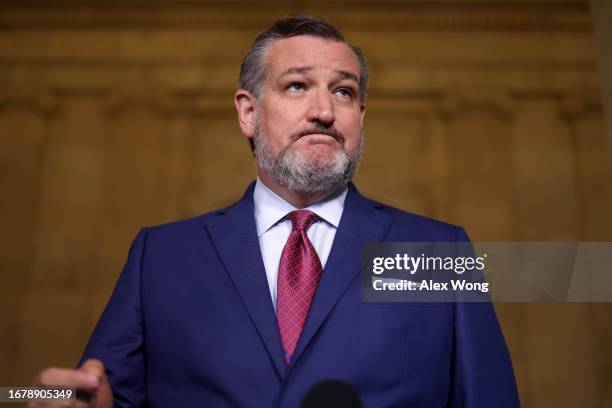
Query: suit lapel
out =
(234, 235)
(361, 222)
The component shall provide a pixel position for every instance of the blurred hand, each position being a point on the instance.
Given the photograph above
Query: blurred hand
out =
(90, 379)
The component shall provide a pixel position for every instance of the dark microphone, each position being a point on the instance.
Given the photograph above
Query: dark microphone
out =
(332, 393)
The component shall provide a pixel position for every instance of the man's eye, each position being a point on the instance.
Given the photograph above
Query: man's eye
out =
(345, 92)
(295, 86)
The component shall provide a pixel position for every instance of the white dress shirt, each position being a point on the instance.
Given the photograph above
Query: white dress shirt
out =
(273, 231)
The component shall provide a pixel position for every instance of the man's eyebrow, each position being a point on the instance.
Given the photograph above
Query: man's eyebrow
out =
(348, 75)
(297, 70)
(302, 70)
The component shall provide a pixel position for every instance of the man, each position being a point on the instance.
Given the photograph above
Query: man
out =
(254, 304)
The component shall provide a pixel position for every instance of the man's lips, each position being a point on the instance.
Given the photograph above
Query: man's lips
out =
(319, 134)
(320, 138)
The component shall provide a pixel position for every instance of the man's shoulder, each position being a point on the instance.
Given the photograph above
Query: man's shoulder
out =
(178, 230)
(406, 225)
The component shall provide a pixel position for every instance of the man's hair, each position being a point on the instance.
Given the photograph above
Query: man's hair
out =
(253, 67)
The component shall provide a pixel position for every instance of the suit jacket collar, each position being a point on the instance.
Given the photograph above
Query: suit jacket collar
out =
(234, 234)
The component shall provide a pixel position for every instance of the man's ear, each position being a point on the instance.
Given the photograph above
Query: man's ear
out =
(363, 110)
(245, 105)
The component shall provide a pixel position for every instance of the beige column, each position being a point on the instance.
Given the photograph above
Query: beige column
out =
(479, 129)
(59, 264)
(601, 11)
(23, 122)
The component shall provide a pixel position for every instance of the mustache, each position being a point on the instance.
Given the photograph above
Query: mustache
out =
(319, 129)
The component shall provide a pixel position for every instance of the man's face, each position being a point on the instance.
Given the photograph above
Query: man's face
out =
(308, 131)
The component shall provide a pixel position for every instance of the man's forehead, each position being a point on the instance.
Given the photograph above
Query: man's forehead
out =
(301, 54)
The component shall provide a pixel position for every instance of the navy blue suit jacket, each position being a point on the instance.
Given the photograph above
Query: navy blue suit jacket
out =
(191, 324)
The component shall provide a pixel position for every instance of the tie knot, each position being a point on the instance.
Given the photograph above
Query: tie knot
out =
(302, 219)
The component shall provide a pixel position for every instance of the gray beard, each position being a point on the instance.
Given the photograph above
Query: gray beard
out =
(301, 174)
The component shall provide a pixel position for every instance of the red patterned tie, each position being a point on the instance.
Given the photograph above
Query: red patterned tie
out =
(298, 276)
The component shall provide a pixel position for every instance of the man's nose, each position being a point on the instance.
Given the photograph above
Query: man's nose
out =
(322, 109)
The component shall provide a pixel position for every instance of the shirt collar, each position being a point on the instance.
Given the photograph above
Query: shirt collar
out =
(270, 208)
